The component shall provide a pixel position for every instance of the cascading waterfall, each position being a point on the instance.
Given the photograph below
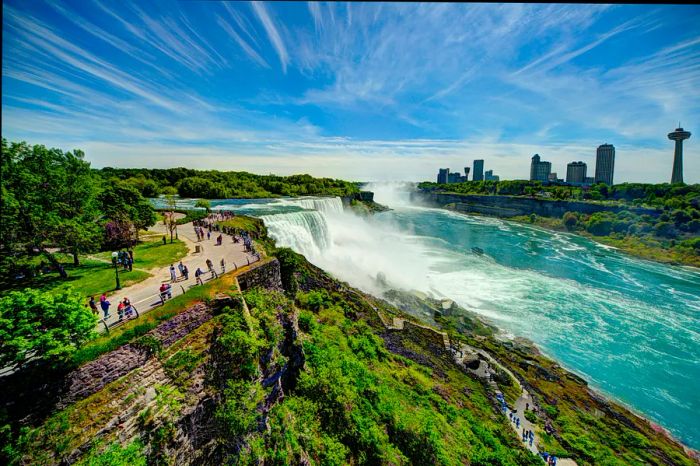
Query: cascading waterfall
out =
(306, 232)
(332, 205)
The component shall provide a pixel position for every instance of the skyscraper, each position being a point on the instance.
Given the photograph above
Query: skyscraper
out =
(489, 176)
(478, 170)
(679, 136)
(443, 176)
(576, 172)
(539, 171)
(605, 164)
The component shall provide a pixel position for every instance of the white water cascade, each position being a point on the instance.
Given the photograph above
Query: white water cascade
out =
(331, 205)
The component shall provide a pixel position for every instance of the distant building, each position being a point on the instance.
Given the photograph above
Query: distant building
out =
(678, 136)
(443, 175)
(478, 170)
(466, 173)
(605, 164)
(539, 170)
(553, 177)
(588, 180)
(489, 176)
(455, 177)
(575, 172)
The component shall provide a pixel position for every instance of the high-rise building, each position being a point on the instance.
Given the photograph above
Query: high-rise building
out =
(539, 170)
(478, 170)
(588, 180)
(443, 176)
(455, 177)
(466, 173)
(576, 172)
(679, 136)
(605, 164)
(489, 176)
(553, 177)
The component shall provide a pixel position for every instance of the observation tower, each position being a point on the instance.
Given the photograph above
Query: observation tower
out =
(679, 136)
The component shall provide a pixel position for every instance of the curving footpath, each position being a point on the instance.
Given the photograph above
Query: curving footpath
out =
(145, 295)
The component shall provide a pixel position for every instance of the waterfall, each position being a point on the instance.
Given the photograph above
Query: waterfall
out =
(306, 232)
(327, 205)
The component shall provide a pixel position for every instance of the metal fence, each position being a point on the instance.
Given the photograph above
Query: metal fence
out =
(176, 289)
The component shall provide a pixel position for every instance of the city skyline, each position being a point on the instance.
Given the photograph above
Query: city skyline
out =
(354, 91)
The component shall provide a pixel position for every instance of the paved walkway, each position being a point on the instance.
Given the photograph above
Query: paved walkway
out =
(145, 295)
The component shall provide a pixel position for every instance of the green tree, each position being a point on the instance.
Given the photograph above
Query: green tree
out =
(49, 200)
(48, 326)
(204, 204)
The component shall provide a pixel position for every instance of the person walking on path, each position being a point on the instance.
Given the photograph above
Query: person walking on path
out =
(104, 304)
(209, 234)
(210, 266)
(198, 276)
(173, 277)
(181, 267)
(185, 272)
(223, 265)
(93, 305)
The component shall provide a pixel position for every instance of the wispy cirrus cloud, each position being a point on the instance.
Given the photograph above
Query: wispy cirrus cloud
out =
(397, 88)
(272, 33)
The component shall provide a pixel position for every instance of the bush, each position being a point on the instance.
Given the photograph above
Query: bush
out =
(570, 220)
(665, 230)
(43, 325)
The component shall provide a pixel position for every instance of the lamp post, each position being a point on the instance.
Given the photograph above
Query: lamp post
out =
(116, 269)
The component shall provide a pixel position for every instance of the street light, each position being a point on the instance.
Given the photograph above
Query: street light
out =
(116, 269)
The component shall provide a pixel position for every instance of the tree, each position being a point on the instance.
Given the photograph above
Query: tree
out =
(126, 212)
(47, 326)
(169, 219)
(204, 204)
(48, 201)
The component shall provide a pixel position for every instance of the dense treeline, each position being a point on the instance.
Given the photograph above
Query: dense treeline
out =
(53, 201)
(212, 184)
(664, 195)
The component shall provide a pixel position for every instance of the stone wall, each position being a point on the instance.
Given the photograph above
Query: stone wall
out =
(510, 206)
(93, 376)
(263, 274)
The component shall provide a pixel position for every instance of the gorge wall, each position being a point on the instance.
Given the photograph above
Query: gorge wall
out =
(510, 206)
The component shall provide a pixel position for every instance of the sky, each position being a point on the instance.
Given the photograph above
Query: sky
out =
(359, 91)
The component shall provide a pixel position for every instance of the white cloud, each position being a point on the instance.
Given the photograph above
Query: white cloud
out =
(272, 33)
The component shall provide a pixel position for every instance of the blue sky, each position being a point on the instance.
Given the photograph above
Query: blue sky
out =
(354, 90)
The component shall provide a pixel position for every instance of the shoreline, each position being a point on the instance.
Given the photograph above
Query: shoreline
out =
(602, 393)
(589, 237)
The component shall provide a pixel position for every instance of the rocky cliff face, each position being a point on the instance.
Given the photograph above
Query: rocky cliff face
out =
(510, 206)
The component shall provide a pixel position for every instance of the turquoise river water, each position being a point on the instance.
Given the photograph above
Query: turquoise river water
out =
(629, 326)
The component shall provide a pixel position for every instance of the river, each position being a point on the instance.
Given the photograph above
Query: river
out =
(631, 327)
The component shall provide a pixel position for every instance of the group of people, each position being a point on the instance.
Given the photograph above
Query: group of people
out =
(124, 308)
(528, 436)
(199, 231)
(184, 272)
(126, 259)
(550, 460)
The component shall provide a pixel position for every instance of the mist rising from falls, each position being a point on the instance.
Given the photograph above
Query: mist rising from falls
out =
(352, 248)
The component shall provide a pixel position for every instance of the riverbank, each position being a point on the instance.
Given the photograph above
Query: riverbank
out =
(642, 232)
(632, 245)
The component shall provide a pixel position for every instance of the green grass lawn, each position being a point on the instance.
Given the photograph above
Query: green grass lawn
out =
(153, 254)
(90, 278)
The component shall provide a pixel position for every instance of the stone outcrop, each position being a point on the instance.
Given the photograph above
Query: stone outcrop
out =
(93, 376)
(263, 274)
(511, 206)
